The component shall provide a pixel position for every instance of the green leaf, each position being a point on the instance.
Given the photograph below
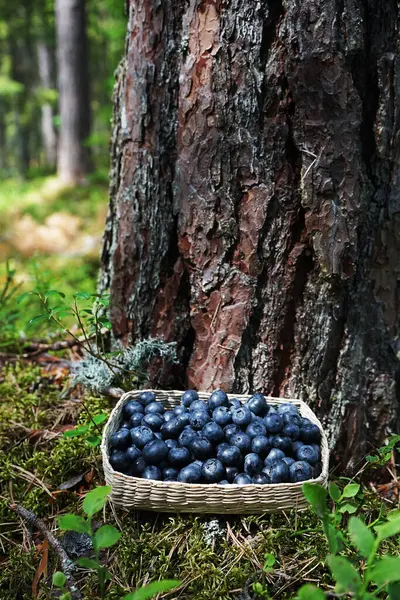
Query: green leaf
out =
(388, 529)
(76, 432)
(150, 590)
(347, 578)
(348, 507)
(71, 522)
(361, 536)
(54, 293)
(316, 496)
(93, 440)
(386, 570)
(351, 490)
(269, 560)
(394, 591)
(310, 592)
(95, 500)
(98, 419)
(334, 492)
(331, 535)
(87, 563)
(372, 459)
(37, 319)
(106, 536)
(23, 296)
(59, 579)
(82, 296)
(393, 514)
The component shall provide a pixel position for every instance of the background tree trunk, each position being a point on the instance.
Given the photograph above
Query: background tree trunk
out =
(72, 64)
(254, 211)
(48, 132)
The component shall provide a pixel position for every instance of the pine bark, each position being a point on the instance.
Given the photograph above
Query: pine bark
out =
(254, 201)
(73, 161)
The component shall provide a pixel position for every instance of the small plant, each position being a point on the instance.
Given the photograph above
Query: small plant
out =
(104, 537)
(372, 574)
(260, 588)
(90, 432)
(384, 454)
(8, 314)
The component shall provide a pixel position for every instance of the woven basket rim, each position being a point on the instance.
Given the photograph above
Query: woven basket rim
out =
(231, 489)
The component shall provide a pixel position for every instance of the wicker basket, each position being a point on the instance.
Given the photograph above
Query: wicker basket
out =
(135, 493)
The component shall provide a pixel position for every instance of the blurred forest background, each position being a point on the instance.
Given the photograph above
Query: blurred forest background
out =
(57, 65)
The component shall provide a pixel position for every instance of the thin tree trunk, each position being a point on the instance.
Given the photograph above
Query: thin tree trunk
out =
(20, 72)
(254, 201)
(47, 125)
(72, 61)
(3, 141)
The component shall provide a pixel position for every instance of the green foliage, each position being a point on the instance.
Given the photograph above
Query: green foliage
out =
(384, 454)
(152, 589)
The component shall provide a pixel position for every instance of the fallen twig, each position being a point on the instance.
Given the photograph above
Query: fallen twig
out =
(67, 566)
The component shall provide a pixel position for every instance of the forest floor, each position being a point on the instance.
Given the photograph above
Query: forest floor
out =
(49, 474)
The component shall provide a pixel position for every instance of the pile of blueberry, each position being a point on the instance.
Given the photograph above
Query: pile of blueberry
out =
(219, 441)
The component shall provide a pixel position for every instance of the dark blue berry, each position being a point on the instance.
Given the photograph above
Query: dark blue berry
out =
(201, 448)
(136, 420)
(179, 457)
(119, 461)
(120, 440)
(241, 416)
(223, 482)
(138, 467)
(292, 431)
(273, 456)
(152, 472)
(282, 443)
(172, 428)
(198, 419)
(310, 434)
(308, 454)
(169, 473)
(154, 452)
(186, 437)
(290, 419)
(252, 464)
(213, 470)
(180, 410)
(168, 415)
(231, 430)
(231, 473)
(261, 479)
(188, 397)
(258, 405)
(278, 472)
(300, 471)
(288, 460)
(154, 408)
(132, 453)
(222, 416)
(141, 436)
(230, 456)
(184, 419)
(218, 398)
(147, 397)
(256, 429)
(190, 474)
(234, 403)
(242, 479)
(273, 422)
(241, 441)
(288, 408)
(213, 432)
(153, 420)
(199, 405)
(171, 443)
(260, 445)
(132, 407)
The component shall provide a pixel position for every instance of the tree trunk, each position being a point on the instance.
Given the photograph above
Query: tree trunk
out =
(74, 105)
(254, 212)
(48, 133)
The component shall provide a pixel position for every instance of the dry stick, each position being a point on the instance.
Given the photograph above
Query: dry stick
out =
(68, 567)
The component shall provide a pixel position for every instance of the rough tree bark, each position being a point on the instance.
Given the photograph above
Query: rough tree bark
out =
(72, 65)
(254, 201)
(48, 132)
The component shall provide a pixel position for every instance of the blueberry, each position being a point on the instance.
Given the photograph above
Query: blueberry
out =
(218, 398)
(292, 431)
(242, 479)
(255, 429)
(169, 473)
(296, 445)
(154, 407)
(222, 445)
(213, 470)
(154, 452)
(168, 415)
(199, 405)
(119, 461)
(242, 441)
(234, 403)
(186, 437)
(127, 425)
(257, 419)
(274, 455)
(180, 410)
(171, 443)
(132, 407)
(241, 416)
(300, 471)
(179, 457)
(223, 482)
(258, 405)
(282, 443)
(288, 460)
(290, 419)
(278, 472)
(230, 456)
(147, 397)
(231, 430)
(213, 432)
(198, 419)
(151, 473)
(132, 453)
(260, 445)
(188, 397)
(310, 434)
(201, 448)
(308, 454)
(261, 479)
(172, 428)
(199, 463)
(120, 439)
(273, 423)
(231, 473)
(153, 420)
(304, 421)
(136, 420)
(317, 449)
(222, 416)
(169, 479)
(141, 436)
(138, 467)
(190, 474)
(288, 408)
(252, 464)
(184, 419)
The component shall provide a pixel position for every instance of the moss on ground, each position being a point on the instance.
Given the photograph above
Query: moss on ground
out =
(213, 556)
